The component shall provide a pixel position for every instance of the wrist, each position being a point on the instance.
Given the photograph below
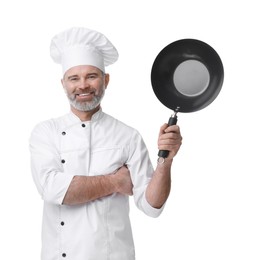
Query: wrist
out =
(164, 165)
(164, 161)
(113, 179)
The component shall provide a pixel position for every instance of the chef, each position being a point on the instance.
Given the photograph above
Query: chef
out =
(86, 163)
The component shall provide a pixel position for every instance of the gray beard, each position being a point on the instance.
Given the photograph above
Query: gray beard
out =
(86, 106)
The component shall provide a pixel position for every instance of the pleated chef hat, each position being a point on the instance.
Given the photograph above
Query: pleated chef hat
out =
(82, 46)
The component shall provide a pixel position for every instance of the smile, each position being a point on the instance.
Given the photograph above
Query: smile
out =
(88, 96)
(85, 94)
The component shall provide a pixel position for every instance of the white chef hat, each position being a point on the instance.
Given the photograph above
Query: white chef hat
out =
(82, 46)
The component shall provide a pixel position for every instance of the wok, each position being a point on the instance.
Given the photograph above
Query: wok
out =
(186, 76)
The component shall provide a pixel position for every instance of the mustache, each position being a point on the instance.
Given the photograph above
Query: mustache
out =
(85, 91)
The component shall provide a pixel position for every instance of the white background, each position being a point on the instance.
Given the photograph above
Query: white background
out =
(209, 213)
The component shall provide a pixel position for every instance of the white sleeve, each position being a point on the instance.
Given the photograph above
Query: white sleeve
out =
(141, 170)
(49, 177)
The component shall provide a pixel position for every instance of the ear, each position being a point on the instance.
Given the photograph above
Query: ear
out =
(107, 79)
(63, 84)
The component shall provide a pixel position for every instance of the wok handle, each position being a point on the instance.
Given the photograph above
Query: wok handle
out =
(165, 153)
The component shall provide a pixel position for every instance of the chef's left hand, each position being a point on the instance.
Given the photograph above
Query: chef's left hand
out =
(170, 139)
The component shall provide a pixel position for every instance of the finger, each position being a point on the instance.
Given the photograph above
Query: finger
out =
(172, 128)
(172, 148)
(162, 129)
(169, 139)
(170, 136)
(170, 142)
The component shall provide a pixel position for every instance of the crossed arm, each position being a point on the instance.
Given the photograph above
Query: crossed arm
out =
(83, 189)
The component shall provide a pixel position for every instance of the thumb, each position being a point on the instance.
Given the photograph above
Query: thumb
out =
(162, 129)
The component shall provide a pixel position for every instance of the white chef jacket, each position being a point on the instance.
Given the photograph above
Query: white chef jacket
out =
(64, 147)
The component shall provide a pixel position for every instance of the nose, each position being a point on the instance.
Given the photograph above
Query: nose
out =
(83, 84)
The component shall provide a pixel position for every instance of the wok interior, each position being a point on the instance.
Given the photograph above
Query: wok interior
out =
(191, 78)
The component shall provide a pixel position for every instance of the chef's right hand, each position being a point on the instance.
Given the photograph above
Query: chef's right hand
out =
(123, 182)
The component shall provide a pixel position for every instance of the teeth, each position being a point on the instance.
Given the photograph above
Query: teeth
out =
(85, 94)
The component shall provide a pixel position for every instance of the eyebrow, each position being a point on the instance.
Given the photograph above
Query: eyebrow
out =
(89, 74)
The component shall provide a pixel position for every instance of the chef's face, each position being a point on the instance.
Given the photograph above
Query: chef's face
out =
(85, 87)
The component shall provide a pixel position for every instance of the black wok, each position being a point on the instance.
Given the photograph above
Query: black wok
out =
(186, 76)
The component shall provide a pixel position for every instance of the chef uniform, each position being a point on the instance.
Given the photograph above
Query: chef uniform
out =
(64, 147)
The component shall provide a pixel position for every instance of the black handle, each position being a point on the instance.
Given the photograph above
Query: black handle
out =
(172, 121)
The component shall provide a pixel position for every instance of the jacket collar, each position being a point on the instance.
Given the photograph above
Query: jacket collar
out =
(97, 116)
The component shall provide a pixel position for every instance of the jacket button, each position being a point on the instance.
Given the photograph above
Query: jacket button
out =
(63, 161)
(64, 255)
(63, 133)
(62, 223)
(83, 125)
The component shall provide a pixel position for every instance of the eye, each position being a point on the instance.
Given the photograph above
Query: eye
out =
(73, 79)
(92, 76)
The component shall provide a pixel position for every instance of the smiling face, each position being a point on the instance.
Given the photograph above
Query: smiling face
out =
(85, 86)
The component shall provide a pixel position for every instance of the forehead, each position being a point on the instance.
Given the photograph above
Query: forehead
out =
(82, 70)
